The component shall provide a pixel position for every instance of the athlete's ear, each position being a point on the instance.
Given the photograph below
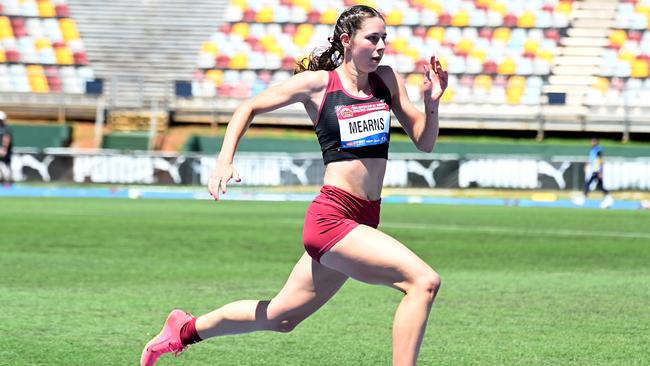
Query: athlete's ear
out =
(345, 39)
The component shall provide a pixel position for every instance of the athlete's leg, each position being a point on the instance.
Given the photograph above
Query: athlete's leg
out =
(368, 255)
(309, 286)
(5, 172)
(588, 183)
(600, 186)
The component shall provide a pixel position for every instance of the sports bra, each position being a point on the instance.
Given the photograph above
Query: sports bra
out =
(354, 127)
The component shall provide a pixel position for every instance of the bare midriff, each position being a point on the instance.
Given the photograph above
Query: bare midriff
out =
(362, 177)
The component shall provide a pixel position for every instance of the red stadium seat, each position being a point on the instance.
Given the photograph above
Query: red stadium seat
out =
(490, 67)
(12, 56)
(61, 10)
(80, 58)
(510, 20)
(444, 19)
(288, 63)
(313, 16)
(249, 16)
(222, 61)
(225, 28)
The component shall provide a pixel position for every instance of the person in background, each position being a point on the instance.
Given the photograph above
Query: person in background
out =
(5, 150)
(594, 173)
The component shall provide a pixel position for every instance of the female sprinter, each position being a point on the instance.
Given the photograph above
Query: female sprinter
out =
(349, 97)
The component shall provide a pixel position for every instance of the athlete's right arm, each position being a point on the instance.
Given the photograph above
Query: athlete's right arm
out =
(299, 88)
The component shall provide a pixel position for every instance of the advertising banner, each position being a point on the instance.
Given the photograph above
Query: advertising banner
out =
(107, 167)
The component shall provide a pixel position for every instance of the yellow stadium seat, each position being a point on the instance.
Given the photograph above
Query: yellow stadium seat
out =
(640, 69)
(518, 82)
(240, 29)
(265, 15)
(448, 97)
(303, 34)
(305, 4)
(464, 46)
(301, 40)
(460, 19)
(329, 16)
(216, 76)
(239, 61)
(413, 52)
(46, 9)
(394, 17)
(502, 34)
(210, 47)
(642, 8)
(304, 28)
(483, 82)
(436, 33)
(34, 70)
(399, 44)
(69, 29)
(546, 55)
(415, 79)
(617, 38)
(627, 55)
(39, 84)
(42, 43)
(499, 7)
(526, 20)
(37, 79)
(564, 7)
(507, 67)
(64, 56)
(513, 95)
(278, 51)
(478, 54)
(241, 4)
(268, 41)
(434, 6)
(6, 31)
(601, 84)
(531, 46)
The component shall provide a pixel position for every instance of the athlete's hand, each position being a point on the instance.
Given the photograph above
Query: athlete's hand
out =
(435, 80)
(221, 175)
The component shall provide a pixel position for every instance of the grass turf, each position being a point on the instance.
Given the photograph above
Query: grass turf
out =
(89, 281)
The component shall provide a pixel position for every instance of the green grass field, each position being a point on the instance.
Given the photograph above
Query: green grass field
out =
(88, 282)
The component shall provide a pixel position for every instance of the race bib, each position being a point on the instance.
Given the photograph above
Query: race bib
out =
(363, 124)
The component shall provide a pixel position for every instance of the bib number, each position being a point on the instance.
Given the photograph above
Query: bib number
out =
(363, 124)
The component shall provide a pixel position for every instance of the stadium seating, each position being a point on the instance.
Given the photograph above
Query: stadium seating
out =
(41, 50)
(623, 79)
(496, 52)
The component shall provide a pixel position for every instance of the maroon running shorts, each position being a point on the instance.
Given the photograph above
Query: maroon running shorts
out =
(332, 215)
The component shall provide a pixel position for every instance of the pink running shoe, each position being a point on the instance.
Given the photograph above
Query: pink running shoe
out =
(168, 340)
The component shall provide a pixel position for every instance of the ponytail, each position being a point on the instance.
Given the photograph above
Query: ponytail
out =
(327, 60)
(349, 22)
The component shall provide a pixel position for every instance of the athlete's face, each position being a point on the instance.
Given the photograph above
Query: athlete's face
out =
(368, 44)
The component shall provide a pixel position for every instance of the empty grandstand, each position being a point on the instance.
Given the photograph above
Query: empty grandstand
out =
(539, 65)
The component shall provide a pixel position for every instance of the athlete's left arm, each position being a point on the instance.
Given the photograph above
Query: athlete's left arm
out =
(422, 128)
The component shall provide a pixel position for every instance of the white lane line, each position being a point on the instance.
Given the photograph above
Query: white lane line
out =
(500, 230)
(514, 230)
